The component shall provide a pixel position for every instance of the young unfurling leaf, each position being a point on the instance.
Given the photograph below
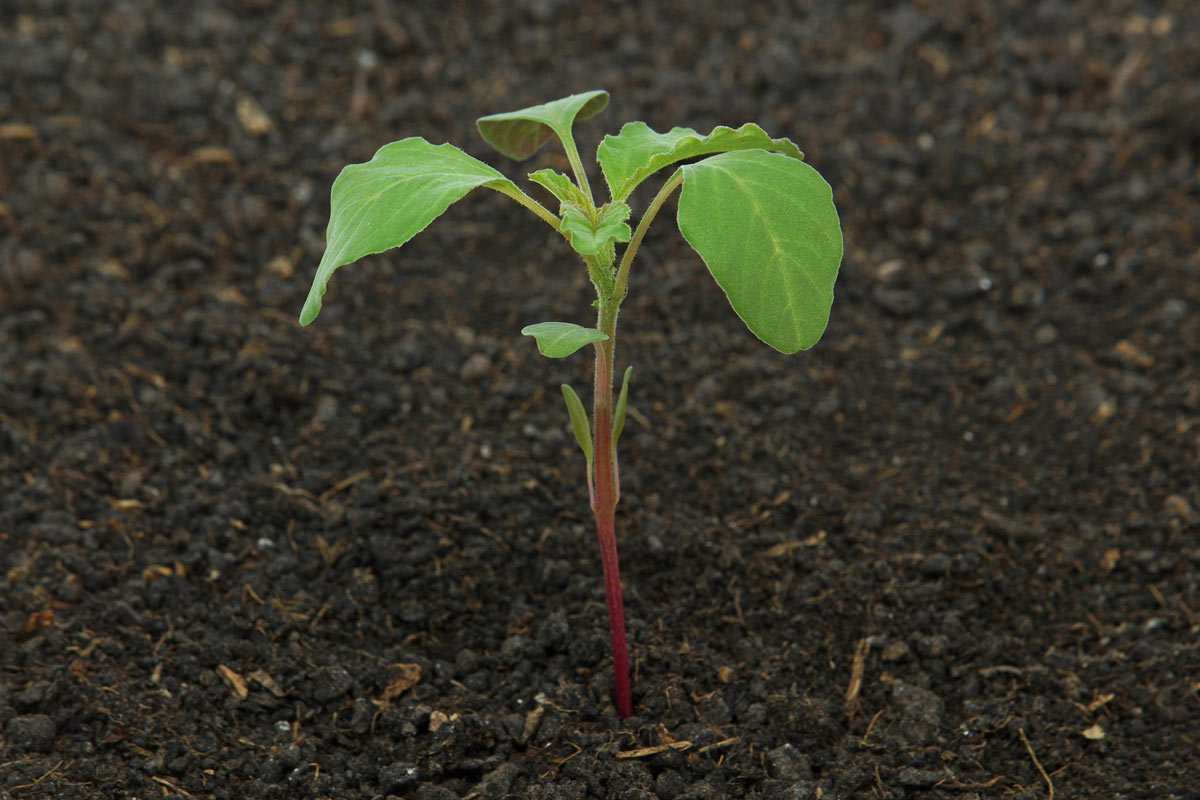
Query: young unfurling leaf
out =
(592, 233)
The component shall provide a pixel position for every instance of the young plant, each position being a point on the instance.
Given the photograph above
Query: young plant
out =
(762, 220)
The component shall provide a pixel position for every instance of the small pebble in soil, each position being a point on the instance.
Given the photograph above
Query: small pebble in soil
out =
(332, 684)
(31, 696)
(788, 763)
(397, 778)
(31, 732)
(475, 367)
(669, 785)
(500, 780)
(920, 713)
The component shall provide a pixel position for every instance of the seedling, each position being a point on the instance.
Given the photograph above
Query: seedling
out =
(762, 220)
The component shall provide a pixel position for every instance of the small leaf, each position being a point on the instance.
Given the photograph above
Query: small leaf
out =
(519, 134)
(619, 410)
(560, 339)
(588, 237)
(559, 185)
(386, 201)
(768, 231)
(638, 151)
(579, 423)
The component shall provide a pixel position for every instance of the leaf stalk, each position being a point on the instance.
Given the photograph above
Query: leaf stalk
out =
(581, 179)
(622, 282)
(512, 191)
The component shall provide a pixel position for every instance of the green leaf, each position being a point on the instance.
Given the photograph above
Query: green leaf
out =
(767, 229)
(579, 424)
(560, 339)
(519, 134)
(619, 410)
(390, 199)
(638, 151)
(559, 185)
(589, 237)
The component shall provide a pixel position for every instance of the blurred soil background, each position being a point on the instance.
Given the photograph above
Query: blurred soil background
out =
(951, 552)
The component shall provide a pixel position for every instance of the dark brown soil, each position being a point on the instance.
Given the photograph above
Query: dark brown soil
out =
(951, 552)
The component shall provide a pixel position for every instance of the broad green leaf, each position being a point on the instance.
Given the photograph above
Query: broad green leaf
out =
(579, 424)
(767, 229)
(587, 237)
(619, 410)
(519, 134)
(559, 185)
(386, 201)
(560, 339)
(638, 151)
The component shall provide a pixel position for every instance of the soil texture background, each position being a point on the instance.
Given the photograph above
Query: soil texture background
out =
(950, 552)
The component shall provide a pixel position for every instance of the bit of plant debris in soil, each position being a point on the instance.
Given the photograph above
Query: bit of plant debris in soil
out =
(959, 560)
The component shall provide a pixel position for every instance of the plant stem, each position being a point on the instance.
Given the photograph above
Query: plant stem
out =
(605, 503)
(603, 488)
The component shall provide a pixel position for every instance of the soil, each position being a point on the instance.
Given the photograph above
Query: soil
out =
(950, 552)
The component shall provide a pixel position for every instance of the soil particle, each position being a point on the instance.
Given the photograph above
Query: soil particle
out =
(913, 778)
(31, 732)
(398, 778)
(787, 763)
(917, 715)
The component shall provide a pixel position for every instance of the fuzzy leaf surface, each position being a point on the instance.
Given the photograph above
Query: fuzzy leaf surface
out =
(638, 151)
(384, 202)
(588, 238)
(519, 134)
(768, 231)
(560, 339)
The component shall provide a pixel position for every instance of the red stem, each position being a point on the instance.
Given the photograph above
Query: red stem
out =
(604, 507)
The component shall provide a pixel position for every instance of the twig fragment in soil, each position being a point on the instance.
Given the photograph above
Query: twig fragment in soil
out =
(344, 483)
(173, 787)
(1038, 764)
(870, 726)
(1007, 669)
(722, 743)
(856, 674)
(235, 682)
(559, 762)
(43, 776)
(643, 752)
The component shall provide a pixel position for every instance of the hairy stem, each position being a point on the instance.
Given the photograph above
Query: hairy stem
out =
(604, 495)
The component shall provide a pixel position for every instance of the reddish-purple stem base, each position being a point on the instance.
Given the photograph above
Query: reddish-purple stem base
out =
(604, 505)
(616, 614)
